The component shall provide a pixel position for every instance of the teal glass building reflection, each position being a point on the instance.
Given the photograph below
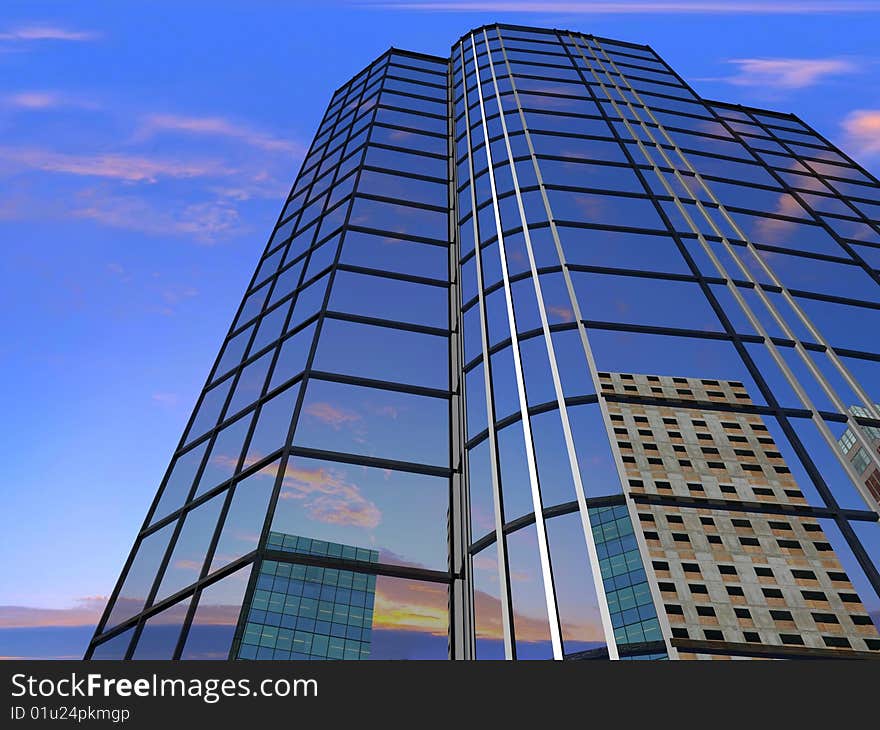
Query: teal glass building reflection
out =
(308, 612)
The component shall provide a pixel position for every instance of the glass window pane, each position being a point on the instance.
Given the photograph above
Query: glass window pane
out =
(114, 648)
(213, 625)
(293, 356)
(576, 597)
(273, 425)
(399, 301)
(531, 626)
(209, 409)
(487, 605)
(597, 468)
(250, 383)
(245, 518)
(379, 423)
(188, 556)
(637, 300)
(140, 576)
(402, 515)
(410, 619)
(400, 218)
(234, 351)
(180, 480)
(158, 639)
(639, 252)
(383, 353)
(225, 453)
(390, 253)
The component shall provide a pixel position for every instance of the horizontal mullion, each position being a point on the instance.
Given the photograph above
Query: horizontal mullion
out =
(359, 566)
(421, 390)
(362, 460)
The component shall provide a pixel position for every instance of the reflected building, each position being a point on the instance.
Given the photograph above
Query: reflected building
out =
(735, 578)
(302, 610)
(429, 360)
(859, 455)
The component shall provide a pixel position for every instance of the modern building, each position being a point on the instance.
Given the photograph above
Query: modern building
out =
(859, 454)
(304, 611)
(735, 578)
(430, 362)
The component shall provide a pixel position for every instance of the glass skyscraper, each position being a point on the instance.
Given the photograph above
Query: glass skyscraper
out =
(546, 357)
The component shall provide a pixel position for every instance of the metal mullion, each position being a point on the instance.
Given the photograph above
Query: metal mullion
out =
(592, 555)
(462, 627)
(536, 410)
(402, 236)
(398, 201)
(415, 112)
(343, 457)
(736, 339)
(777, 357)
(400, 128)
(832, 355)
(286, 451)
(389, 385)
(411, 278)
(769, 508)
(130, 623)
(358, 566)
(503, 567)
(861, 555)
(543, 546)
(587, 348)
(389, 323)
(209, 557)
(401, 173)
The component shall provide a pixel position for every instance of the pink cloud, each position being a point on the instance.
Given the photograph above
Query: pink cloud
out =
(204, 222)
(862, 128)
(47, 33)
(773, 230)
(33, 100)
(217, 126)
(129, 168)
(787, 73)
(165, 399)
(328, 497)
(39, 100)
(332, 415)
(563, 313)
(85, 612)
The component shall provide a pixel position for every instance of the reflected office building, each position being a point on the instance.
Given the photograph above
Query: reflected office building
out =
(579, 364)
(860, 455)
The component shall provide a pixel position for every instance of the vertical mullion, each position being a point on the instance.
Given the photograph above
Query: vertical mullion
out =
(500, 536)
(756, 323)
(285, 454)
(543, 548)
(592, 555)
(461, 594)
(829, 351)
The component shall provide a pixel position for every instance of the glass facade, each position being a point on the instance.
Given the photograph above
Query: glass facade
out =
(559, 344)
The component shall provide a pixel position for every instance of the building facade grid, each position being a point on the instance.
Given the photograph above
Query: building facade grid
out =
(560, 206)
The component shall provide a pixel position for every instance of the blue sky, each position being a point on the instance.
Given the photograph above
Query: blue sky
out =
(144, 154)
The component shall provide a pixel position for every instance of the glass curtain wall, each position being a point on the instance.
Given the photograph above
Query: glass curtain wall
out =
(409, 445)
(610, 220)
(312, 485)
